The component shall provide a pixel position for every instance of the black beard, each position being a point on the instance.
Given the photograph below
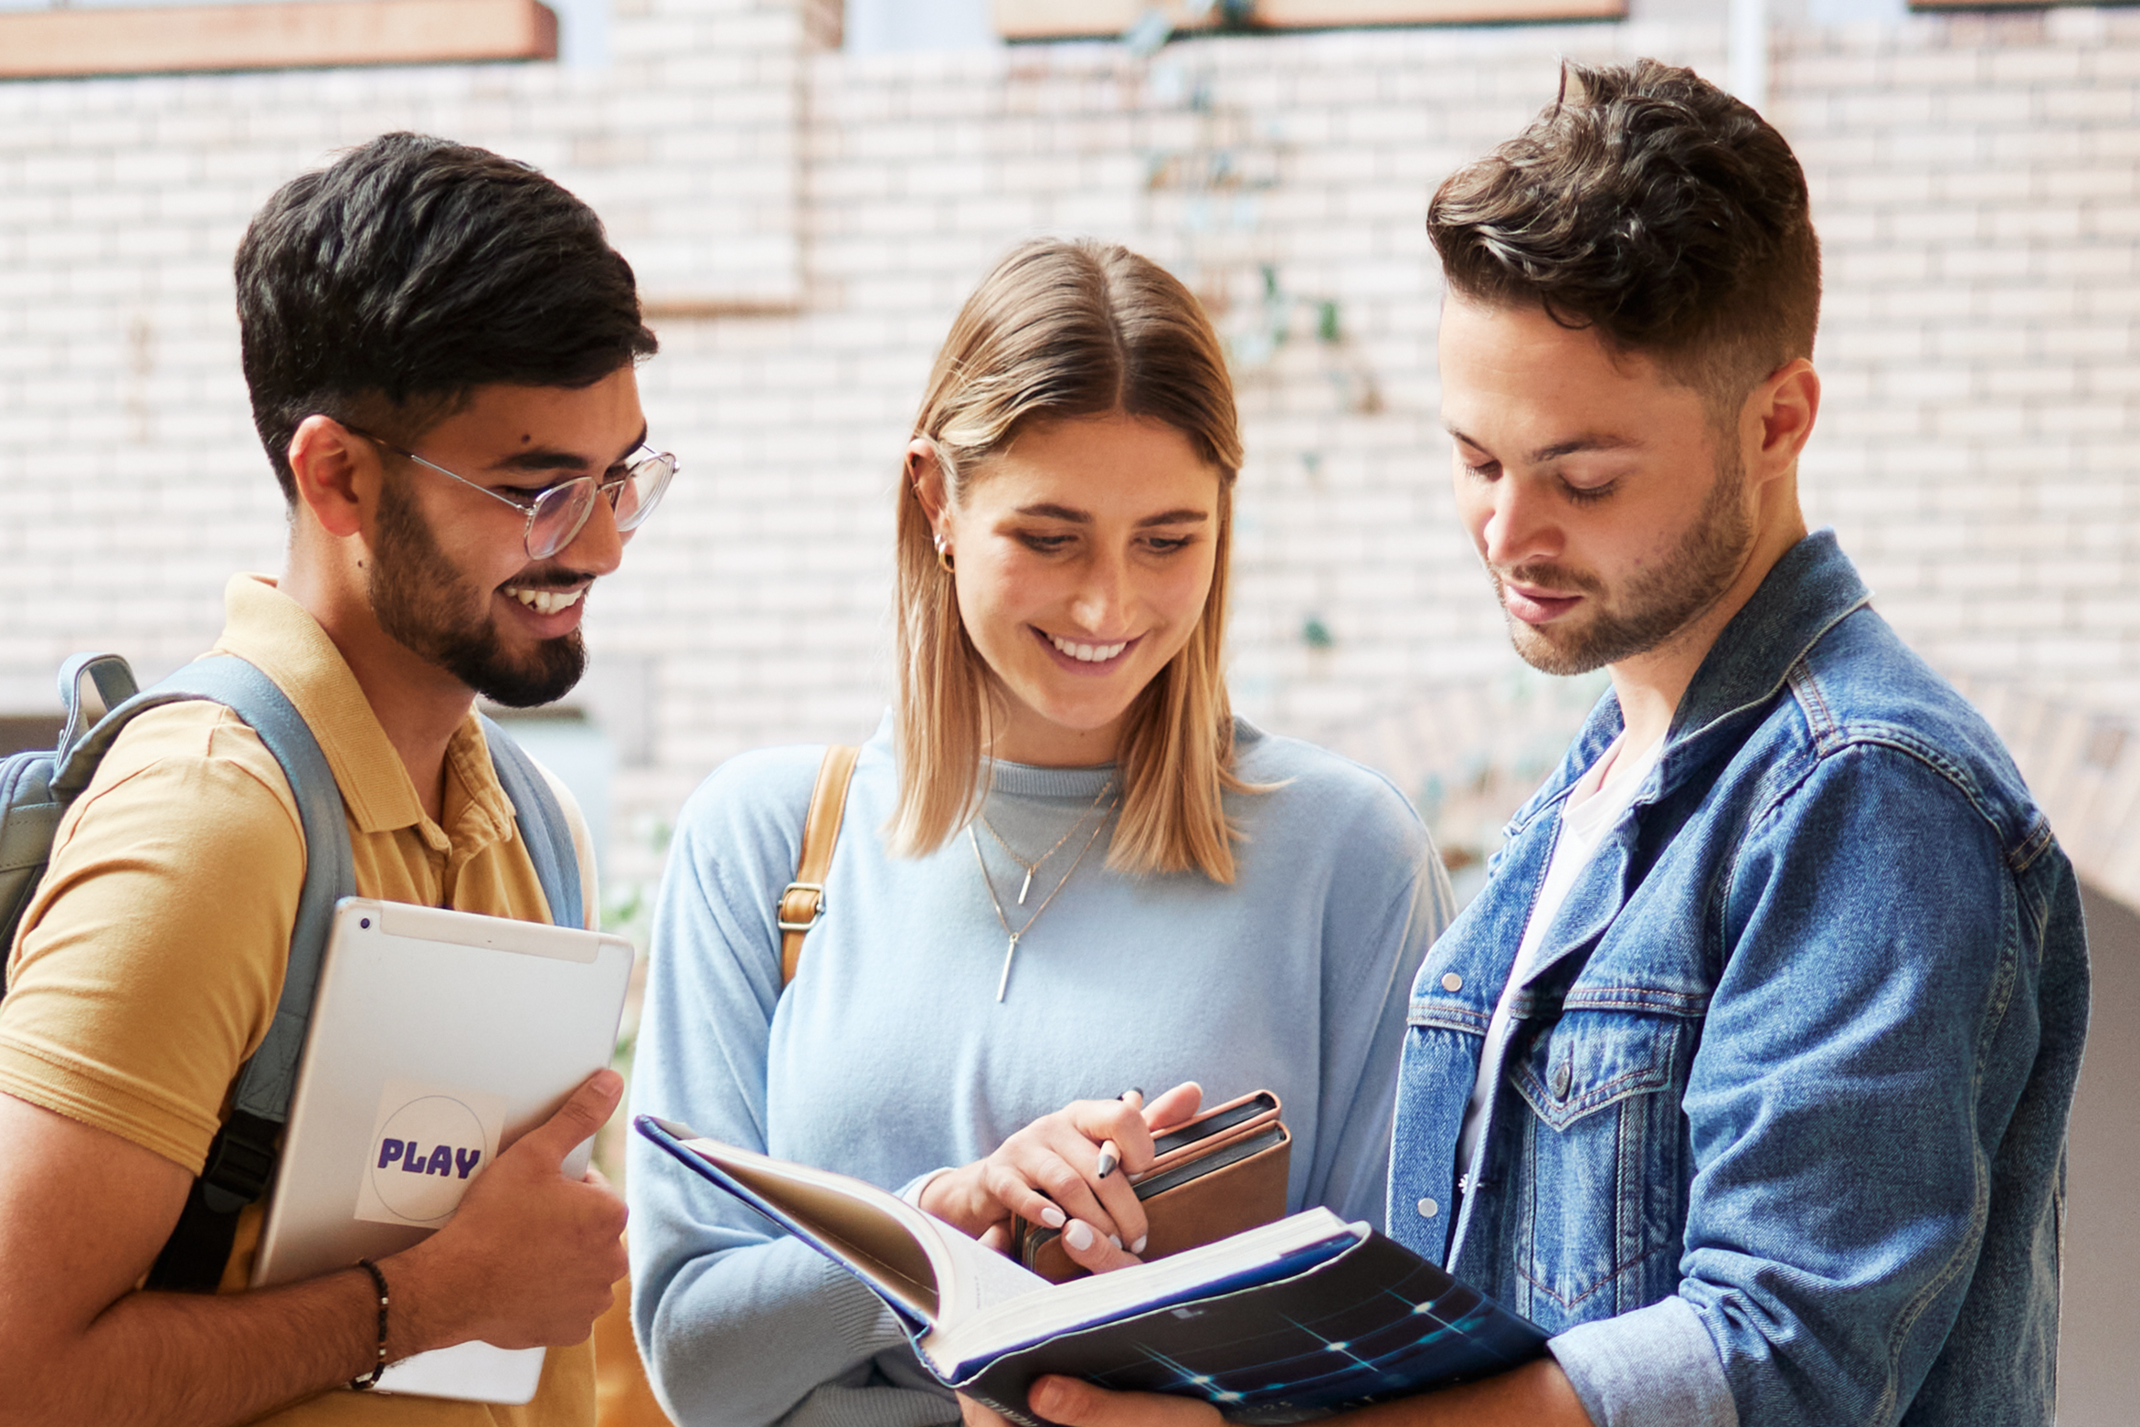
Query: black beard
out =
(1654, 606)
(421, 601)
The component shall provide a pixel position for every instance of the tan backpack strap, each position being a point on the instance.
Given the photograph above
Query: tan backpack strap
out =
(803, 901)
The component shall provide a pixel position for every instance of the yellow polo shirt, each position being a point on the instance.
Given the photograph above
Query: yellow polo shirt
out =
(148, 965)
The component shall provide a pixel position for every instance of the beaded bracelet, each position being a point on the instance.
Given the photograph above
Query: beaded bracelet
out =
(360, 1384)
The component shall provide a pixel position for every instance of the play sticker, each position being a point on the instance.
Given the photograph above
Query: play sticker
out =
(428, 1142)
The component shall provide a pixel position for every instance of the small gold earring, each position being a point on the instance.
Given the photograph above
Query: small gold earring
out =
(943, 555)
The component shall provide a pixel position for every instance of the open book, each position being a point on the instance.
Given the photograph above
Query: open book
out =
(1283, 1322)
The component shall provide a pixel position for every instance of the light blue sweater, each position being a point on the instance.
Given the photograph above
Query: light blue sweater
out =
(889, 1056)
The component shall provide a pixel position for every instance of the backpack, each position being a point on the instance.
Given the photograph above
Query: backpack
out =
(35, 790)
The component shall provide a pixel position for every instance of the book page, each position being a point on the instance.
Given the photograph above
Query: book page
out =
(956, 1276)
(887, 1253)
(1243, 1259)
(915, 1260)
(993, 1277)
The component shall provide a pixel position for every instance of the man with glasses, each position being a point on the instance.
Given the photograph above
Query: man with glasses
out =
(440, 348)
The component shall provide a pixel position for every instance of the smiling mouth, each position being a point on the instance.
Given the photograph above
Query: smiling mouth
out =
(547, 601)
(1087, 653)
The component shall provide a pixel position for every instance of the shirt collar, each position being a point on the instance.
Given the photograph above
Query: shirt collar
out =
(272, 632)
(1803, 596)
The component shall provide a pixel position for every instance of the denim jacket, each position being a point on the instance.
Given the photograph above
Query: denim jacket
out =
(1779, 1135)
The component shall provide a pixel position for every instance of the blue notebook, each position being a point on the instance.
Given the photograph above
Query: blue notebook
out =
(1282, 1323)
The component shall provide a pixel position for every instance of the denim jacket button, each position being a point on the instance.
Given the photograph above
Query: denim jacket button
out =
(1561, 1077)
(1451, 981)
(1428, 1208)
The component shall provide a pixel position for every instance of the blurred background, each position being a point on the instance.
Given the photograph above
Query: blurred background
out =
(808, 189)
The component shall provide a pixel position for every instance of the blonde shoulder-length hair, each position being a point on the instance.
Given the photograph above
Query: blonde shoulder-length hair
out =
(1062, 330)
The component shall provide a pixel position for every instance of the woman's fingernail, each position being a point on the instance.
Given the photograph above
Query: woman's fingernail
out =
(1142, 1240)
(1053, 1217)
(1079, 1235)
(1115, 1239)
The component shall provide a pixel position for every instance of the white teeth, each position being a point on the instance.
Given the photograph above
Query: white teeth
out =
(547, 601)
(1089, 653)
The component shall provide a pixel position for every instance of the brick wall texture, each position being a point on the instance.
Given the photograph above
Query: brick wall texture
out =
(807, 221)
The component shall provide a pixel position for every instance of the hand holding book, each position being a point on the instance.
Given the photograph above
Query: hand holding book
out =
(1279, 1323)
(1067, 1402)
(1220, 1172)
(1533, 1394)
(1048, 1173)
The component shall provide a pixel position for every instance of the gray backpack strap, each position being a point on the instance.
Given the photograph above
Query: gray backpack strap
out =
(82, 743)
(329, 871)
(241, 1160)
(543, 829)
(30, 806)
(265, 1084)
(114, 680)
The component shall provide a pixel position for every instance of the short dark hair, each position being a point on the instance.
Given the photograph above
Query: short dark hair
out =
(1650, 205)
(413, 270)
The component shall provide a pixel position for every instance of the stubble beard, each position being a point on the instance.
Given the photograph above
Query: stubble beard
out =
(423, 603)
(1653, 606)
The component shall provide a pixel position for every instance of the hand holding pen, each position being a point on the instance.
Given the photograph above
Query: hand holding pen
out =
(1110, 1153)
(1048, 1172)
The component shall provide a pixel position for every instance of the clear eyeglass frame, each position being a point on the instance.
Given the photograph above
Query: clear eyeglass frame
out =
(556, 516)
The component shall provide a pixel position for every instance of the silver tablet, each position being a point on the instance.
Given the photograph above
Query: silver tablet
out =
(436, 1038)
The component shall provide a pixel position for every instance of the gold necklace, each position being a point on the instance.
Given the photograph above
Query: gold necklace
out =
(1034, 866)
(1010, 950)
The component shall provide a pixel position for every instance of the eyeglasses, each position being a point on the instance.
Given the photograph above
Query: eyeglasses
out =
(556, 515)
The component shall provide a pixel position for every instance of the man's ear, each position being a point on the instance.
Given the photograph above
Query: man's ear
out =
(926, 473)
(1779, 418)
(335, 471)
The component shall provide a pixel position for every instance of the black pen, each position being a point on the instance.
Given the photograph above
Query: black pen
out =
(1110, 1156)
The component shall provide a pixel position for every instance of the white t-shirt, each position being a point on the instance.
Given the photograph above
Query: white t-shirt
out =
(1595, 804)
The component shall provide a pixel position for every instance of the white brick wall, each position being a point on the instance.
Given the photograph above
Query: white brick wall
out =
(1974, 180)
(1975, 186)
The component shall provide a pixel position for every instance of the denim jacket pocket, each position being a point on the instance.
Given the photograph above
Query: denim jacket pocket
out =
(1603, 1086)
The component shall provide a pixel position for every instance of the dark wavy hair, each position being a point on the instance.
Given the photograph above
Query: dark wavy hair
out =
(1650, 205)
(411, 271)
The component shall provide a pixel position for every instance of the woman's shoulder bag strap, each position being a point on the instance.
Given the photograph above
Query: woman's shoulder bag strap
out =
(802, 903)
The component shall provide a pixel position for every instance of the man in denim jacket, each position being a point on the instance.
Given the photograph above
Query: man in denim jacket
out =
(1747, 1074)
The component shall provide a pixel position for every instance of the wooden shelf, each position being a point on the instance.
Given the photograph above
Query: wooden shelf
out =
(326, 33)
(1314, 14)
(1075, 19)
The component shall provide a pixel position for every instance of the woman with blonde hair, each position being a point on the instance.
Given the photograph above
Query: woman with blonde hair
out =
(1065, 870)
